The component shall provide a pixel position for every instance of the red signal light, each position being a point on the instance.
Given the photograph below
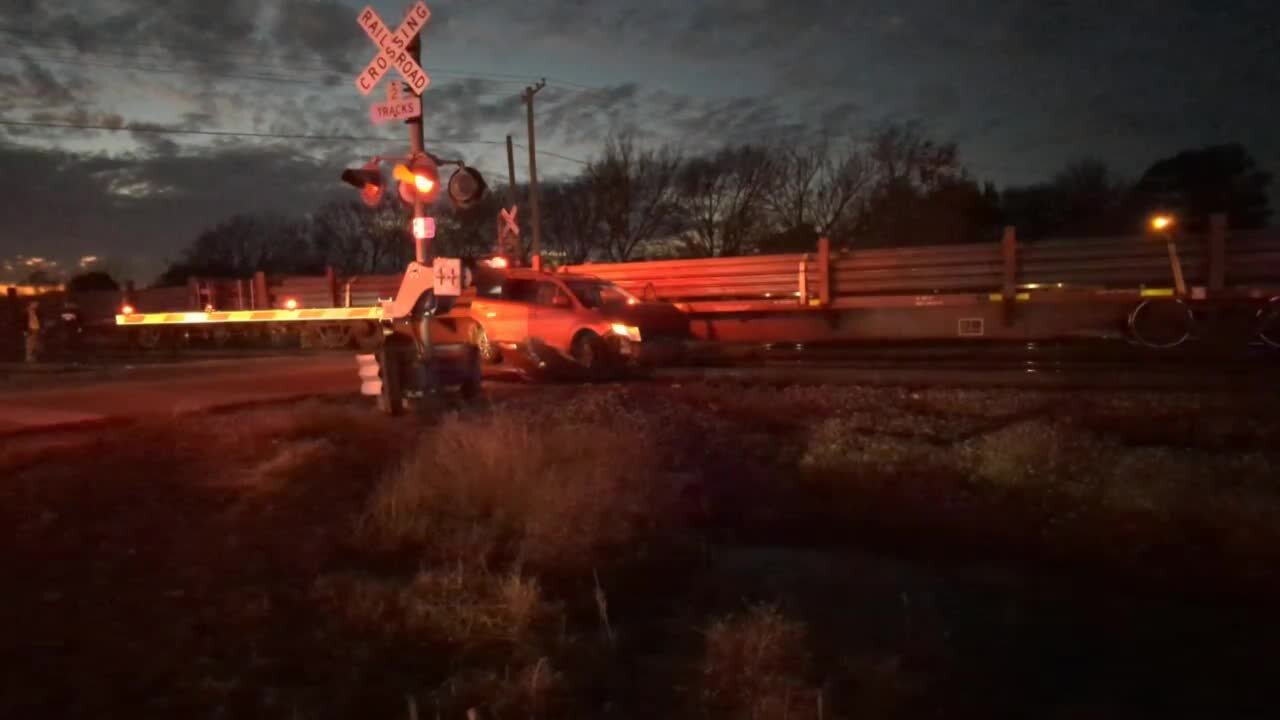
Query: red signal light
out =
(368, 180)
(127, 310)
(419, 180)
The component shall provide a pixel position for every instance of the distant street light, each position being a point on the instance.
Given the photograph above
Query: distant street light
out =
(1161, 223)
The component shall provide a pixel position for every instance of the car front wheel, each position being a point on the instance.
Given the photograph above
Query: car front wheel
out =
(488, 351)
(588, 351)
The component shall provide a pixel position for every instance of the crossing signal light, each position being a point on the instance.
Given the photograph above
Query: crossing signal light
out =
(419, 180)
(368, 180)
(466, 187)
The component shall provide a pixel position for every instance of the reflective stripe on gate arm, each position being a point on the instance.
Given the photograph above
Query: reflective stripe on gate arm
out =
(249, 316)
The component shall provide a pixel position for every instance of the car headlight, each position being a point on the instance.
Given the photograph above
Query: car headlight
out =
(629, 332)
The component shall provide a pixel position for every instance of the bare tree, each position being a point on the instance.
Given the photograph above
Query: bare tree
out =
(902, 154)
(470, 232)
(244, 244)
(723, 200)
(338, 234)
(633, 189)
(822, 186)
(358, 239)
(922, 195)
(798, 167)
(571, 219)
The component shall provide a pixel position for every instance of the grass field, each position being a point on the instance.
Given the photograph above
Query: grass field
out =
(650, 550)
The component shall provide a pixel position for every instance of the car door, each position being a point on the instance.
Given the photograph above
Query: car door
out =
(555, 316)
(503, 311)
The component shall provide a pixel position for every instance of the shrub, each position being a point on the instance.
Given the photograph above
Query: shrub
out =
(843, 446)
(557, 495)
(755, 666)
(1034, 453)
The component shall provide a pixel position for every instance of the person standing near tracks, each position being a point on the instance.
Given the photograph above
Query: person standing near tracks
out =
(33, 331)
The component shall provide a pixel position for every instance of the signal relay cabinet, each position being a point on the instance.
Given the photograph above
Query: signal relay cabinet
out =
(413, 375)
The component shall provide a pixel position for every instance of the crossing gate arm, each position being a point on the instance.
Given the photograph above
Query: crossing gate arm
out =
(250, 316)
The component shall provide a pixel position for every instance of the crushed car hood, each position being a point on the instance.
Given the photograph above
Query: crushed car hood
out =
(655, 319)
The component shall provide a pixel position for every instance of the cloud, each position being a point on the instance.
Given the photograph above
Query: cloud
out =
(1022, 84)
(321, 30)
(64, 205)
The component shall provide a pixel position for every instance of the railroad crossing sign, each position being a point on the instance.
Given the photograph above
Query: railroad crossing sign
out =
(399, 106)
(393, 48)
(507, 221)
(508, 231)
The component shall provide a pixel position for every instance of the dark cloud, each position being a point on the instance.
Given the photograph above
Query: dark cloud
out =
(320, 29)
(1023, 85)
(64, 205)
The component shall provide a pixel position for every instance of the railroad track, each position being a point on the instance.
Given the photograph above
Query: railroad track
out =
(1025, 365)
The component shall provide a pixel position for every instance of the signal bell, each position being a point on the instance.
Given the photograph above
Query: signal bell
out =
(368, 180)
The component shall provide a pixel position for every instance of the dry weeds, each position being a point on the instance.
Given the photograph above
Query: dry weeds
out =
(486, 489)
(756, 665)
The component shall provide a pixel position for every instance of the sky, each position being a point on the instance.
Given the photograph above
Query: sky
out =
(1022, 86)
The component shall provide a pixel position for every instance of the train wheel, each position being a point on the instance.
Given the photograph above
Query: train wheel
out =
(1161, 324)
(335, 337)
(281, 335)
(221, 337)
(149, 338)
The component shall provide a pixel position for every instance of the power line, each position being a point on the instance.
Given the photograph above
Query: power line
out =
(158, 70)
(259, 57)
(246, 134)
(216, 133)
(331, 79)
(556, 155)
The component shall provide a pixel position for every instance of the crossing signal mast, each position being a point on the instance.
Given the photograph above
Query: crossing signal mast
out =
(422, 351)
(419, 355)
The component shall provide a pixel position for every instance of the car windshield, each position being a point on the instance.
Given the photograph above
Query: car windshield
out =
(596, 294)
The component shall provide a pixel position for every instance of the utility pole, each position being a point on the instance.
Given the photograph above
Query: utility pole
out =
(518, 254)
(511, 168)
(421, 246)
(536, 214)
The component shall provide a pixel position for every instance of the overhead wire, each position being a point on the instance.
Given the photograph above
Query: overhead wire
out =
(261, 59)
(219, 133)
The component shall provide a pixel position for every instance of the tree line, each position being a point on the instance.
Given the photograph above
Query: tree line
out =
(898, 187)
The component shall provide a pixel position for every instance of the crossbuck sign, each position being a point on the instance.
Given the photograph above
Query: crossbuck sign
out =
(393, 48)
